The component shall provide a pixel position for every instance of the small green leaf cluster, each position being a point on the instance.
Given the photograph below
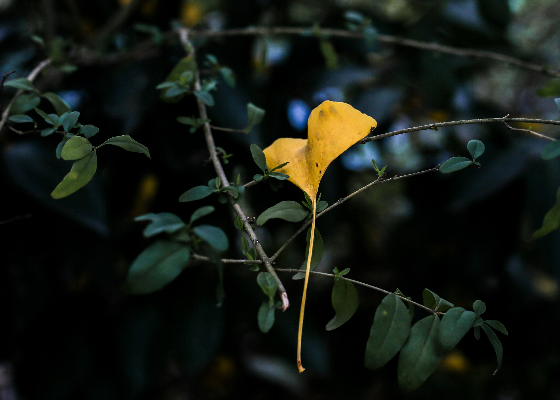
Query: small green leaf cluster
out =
(214, 186)
(476, 149)
(344, 299)
(265, 315)
(75, 145)
(246, 249)
(226, 73)
(260, 160)
(380, 172)
(194, 122)
(162, 261)
(423, 345)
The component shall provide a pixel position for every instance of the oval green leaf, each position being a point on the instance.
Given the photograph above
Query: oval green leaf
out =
(161, 222)
(267, 283)
(390, 329)
(196, 193)
(59, 105)
(212, 235)
(76, 148)
(258, 157)
(20, 83)
(497, 325)
(20, 119)
(286, 210)
(479, 307)
(255, 115)
(266, 316)
(476, 148)
(454, 325)
(88, 130)
(70, 120)
(129, 144)
(421, 354)
(201, 212)
(81, 173)
(156, 266)
(24, 103)
(454, 164)
(345, 302)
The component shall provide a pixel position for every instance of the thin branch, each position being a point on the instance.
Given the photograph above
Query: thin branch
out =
(224, 180)
(32, 75)
(436, 125)
(217, 128)
(7, 221)
(342, 200)
(363, 284)
(226, 260)
(395, 40)
(2, 88)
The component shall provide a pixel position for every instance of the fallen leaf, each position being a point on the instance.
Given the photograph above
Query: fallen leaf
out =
(332, 128)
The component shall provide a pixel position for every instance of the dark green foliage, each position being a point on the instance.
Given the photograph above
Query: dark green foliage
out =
(214, 236)
(287, 210)
(75, 148)
(433, 301)
(81, 173)
(159, 264)
(255, 115)
(551, 150)
(455, 164)
(390, 329)
(265, 315)
(129, 144)
(345, 302)
(454, 325)
(161, 222)
(421, 354)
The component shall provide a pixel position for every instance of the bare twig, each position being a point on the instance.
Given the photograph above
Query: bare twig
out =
(224, 180)
(227, 260)
(2, 88)
(342, 200)
(389, 39)
(32, 75)
(436, 125)
(7, 221)
(365, 285)
(217, 128)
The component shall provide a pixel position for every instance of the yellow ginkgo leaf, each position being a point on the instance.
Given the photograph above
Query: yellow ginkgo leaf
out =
(332, 128)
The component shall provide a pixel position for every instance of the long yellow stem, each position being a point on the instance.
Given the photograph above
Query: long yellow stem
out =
(302, 311)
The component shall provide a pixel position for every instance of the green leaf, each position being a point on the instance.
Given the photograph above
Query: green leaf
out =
(187, 63)
(497, 325)
(454, 164)
(129, 144)
(20, 83)
(50, 131)
(454, 325)
(476, 148)
(479, 307)
(345, 302)
(255, 115)
(551, 150)
(70, 120)
(267, 283)
(390, 329)
(329, 53)
(20, 119)
(48, 118)
(201, 212)
(552, 88)
(245, 246)
(278, 175)
(259, 157)
(212, 235)
(88, 130)
(421, 354)
(318, 249)
(557, 101)
(286, 210)
(498, 348)
(433, 301)
(59, 105)
(81, 173)
(551, 219)
(195, 193)
(161, 222)
(205, 97)
(239, 223)
(25, 103)
(228, 75)
(266, 316)
(156, 266)
(76, 148)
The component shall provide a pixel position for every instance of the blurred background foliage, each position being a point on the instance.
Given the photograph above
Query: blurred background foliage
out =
(68, 332)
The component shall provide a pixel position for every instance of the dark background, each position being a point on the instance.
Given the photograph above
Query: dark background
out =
(68, 332)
